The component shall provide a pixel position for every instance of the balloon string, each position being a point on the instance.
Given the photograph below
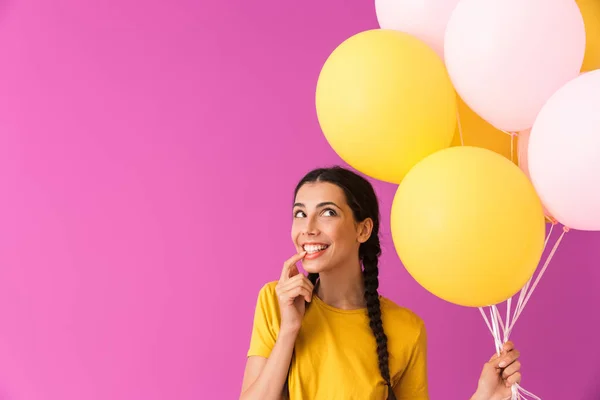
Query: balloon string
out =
(526, 287)
(512, 148)
(537, 280)
(499, 321)
(512, 143)
(496, 325)
(496, 329)
(508, 307)
(485, 319)
(460, 133)
(501, 331)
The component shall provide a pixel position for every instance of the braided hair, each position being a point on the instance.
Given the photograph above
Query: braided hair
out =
(363, 202)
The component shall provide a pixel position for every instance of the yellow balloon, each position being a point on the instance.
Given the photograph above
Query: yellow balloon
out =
(468, 226)
(590, 10)
(479, 133)
(384, 102)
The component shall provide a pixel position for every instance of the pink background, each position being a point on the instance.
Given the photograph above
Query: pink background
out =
(148, 153)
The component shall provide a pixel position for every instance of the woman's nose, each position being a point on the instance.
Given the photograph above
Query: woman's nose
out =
(311, 227)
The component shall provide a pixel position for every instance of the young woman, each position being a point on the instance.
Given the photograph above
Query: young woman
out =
(330, 335)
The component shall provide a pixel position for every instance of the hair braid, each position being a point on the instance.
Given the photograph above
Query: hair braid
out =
(370, 252)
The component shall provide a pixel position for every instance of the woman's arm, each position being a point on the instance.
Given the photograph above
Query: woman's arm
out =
(499, 374)
(269, 362)
(264, 377)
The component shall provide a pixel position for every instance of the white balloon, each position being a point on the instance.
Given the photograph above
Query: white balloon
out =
(424, 19)
(564, 153)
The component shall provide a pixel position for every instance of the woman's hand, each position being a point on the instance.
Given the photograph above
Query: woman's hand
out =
(292, 290)
(499, 374)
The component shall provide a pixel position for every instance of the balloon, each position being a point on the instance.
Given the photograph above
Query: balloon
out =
(384, 102)
(479, 133)
(564, 153)
(523, 162)
(507, 57)
(424, 19)
(468, 226)
(590, 10)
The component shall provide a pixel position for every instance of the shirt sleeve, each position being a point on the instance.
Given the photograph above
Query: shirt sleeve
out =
(266, 322)
(412, 384)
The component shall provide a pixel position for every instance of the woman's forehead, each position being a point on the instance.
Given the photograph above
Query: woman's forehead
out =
(311, 194)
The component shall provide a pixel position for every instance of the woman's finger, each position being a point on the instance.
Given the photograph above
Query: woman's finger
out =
(299, 283)
(283, 285)
(508, 358)
(511, 369)
(296, 292)
(291, 262)
(493, 359)
(295, 281)
(508, 346)
(298, 280)
(515, 378)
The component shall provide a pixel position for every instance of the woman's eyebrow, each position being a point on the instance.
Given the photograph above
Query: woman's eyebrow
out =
(320, 205)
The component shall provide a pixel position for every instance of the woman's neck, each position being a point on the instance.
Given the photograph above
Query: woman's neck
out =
(343, 287)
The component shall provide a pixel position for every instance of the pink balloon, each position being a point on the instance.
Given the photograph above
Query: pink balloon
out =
(523, 144)
(424, 19)
(507, 57)
(564, 153)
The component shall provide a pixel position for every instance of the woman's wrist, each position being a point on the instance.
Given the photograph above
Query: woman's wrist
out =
(288, 332)
(478, 396)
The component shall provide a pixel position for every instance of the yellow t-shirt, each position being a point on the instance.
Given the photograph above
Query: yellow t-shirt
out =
(335, 356)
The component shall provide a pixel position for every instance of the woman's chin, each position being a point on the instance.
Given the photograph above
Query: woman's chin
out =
(314, 266)
(311, 267)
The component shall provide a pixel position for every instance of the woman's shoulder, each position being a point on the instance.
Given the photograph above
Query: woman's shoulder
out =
(396, 315)
(267, 304)
(269, 286)
(267, 291)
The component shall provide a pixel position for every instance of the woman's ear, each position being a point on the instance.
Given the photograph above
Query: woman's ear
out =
(364, 230)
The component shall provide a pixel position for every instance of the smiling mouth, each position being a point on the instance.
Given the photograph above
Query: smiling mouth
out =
(314, 250)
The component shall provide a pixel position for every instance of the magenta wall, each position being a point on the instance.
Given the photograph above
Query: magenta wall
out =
(148, 153)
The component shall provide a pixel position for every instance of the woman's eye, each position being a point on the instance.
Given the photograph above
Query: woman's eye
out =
(329, 213)
(299, 214)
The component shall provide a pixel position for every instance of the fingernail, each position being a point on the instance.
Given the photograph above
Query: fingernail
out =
(502, 364)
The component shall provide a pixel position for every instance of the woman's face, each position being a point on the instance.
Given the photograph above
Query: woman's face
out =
(325, 228)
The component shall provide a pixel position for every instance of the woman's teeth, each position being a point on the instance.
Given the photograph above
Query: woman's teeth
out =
(311, 249)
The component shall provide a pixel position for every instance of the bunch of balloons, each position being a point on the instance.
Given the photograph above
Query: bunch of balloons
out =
(431, 102)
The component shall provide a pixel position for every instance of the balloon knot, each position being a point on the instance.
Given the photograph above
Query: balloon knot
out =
(566, 229)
